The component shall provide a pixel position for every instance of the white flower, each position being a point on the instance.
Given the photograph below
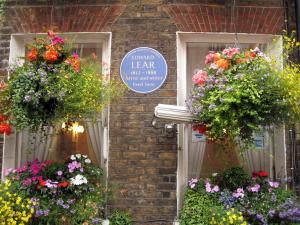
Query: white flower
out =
(78, 180)
(78, 156)
(87, 161)
(215, 174)
(72, 157)
(84, 156)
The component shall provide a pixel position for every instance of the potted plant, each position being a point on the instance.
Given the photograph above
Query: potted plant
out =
(239, 93)
(51, 84)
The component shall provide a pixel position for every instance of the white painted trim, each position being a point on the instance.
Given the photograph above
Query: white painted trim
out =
(184, 39)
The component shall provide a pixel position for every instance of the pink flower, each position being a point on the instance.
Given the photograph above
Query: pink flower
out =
(239, 193)
(209, 58)
(200, 77)
(230, 52)
(75, 55)
(8, 171)
(57, 40)
(254, 188)
(26, 182)
(207, 187)
(215, 189)
(211, 190)
(59, 173)
(274, 184)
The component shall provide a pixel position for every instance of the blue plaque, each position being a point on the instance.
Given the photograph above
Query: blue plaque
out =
(143, 70)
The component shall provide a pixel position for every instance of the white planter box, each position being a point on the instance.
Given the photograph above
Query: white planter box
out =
(105, 222)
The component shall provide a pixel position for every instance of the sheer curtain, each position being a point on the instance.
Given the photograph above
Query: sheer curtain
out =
(24, 146)
(196, 153)
(95, 136)
(260, 159)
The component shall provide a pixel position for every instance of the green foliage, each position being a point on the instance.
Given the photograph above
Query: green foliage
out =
(290, 75)
(53, 85)
(237, 93)
(257, 201)
(120, 218)
(232, 178)
(198, 207)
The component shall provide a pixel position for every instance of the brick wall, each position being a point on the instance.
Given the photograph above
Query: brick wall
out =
(142, 160)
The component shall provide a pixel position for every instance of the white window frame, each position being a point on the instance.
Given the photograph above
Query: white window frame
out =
(182, 41)
(11, 158)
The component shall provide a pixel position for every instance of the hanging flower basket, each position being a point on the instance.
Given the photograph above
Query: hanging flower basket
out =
(53, 85)
(236, 94)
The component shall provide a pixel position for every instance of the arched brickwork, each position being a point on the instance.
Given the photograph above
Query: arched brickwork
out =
(66, 18)
(221, 18)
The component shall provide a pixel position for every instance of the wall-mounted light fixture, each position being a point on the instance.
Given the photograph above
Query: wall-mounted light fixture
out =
(72, 127)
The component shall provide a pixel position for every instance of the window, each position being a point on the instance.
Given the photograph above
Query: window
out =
(83, 137)
(196, 158)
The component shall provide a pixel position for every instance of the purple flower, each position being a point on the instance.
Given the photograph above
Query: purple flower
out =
(274, 184)
(66, 206)
(60, 202)
(71, 201)
(39, 213)
(96, 221)
(192, 183)
(46, 212)
(73, 166)
(254, 188)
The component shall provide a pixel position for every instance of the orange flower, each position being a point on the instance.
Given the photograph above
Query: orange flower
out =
(238, 61)
(76, 65)
(3, 85)
(223, 63)
(51, 55)
(250, 55)
(50, 47)
(32, 55)
(217, 57)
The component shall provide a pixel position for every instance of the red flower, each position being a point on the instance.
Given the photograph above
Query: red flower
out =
(263, 174)
(51, 55)
(48, 162)
(201, 128)
(3, 118)
(42, 183)
(32, 55)
(260, 174)
(63, 184)
(5, 129)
